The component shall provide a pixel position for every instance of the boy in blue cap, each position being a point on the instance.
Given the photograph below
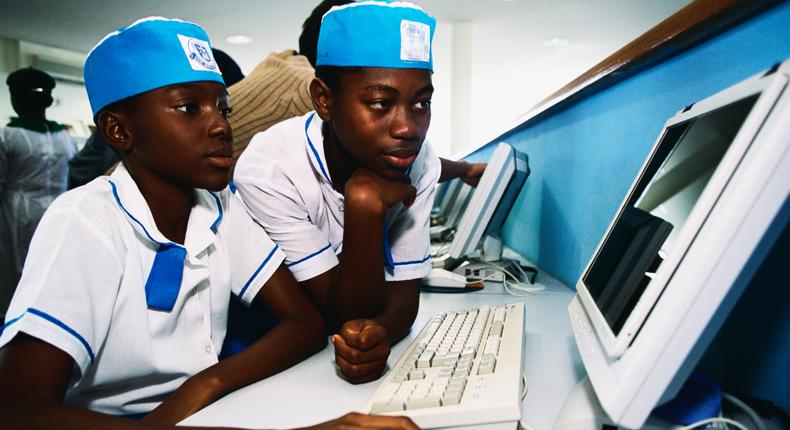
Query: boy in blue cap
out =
(122, 305)
(346, 191)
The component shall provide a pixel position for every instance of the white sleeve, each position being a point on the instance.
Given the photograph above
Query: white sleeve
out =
(276, 204)
(69, 285)
(254, 256)
(408, 234)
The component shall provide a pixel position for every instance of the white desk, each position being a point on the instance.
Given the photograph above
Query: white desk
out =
(311, 391)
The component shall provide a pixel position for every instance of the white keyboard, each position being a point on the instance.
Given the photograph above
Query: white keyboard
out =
(463, 369)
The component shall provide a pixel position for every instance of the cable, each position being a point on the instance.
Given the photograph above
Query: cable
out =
(517, 288)
(714, 420)
(758, 422)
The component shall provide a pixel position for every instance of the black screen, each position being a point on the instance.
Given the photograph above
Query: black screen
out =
(646, 230)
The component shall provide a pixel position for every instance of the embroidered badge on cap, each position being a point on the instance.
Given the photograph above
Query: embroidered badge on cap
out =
(198, 53)
(415, 41)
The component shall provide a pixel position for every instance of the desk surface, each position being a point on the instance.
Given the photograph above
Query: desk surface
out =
(311, 391)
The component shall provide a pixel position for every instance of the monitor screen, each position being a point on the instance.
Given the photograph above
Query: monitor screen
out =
(647, 228)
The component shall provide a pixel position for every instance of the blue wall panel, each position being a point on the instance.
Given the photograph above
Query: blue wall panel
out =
(585, 156)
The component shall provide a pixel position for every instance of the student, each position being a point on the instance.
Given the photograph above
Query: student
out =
(279, 88)
(346, 191)
(123, 300)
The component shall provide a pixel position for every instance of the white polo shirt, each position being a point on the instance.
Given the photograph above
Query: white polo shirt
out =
(283, 178)
(87, 288)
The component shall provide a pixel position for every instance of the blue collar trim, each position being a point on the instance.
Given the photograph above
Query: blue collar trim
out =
(312, 148)
(164, 280)
(216, 222)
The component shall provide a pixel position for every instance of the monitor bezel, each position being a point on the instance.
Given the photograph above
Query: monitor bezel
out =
(479, 212)
(614, 344)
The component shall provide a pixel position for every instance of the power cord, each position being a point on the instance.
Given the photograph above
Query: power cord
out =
(758, 422)
(714, 420)
(518, 287)
(524, 384)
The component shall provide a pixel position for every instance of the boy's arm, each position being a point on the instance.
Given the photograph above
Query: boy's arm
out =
(298, 334)
(470, 173)
(369, 312)
(35, 375)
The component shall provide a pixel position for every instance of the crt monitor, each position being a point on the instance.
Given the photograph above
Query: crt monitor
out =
(489, 206)
(444, 232)
(445, 199)
(686, 239)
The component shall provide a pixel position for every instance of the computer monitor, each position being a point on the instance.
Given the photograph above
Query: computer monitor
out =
(445, 203)
(489, 206)
(438, 197)
(691, 231)
(444, 232)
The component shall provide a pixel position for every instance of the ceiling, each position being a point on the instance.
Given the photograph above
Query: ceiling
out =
(275, 24)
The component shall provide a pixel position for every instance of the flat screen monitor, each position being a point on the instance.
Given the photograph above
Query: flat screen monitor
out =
(490, 203)
(674, 258)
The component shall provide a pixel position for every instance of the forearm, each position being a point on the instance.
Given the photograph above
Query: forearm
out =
(358, 289)
(400, 309)
(294, 340)
(73, 418)
(453, 169)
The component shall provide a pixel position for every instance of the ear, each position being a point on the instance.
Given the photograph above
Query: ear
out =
(321, 95)
(114, 128)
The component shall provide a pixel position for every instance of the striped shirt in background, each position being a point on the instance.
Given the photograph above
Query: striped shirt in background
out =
(278, 89)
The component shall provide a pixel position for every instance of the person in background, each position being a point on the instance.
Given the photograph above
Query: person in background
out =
(91, 161)
(231, 72)
(279, 88)
(34, 155)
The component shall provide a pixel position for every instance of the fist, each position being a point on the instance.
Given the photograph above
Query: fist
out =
(361, 350)
(368, 189)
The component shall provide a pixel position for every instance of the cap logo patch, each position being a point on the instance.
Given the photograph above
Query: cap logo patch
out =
(198, 53)
(415, 41)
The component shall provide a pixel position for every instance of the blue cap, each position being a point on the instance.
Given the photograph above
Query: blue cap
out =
(391, 34)
(150, 53)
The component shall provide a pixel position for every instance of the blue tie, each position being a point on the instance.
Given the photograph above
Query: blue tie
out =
(164, 281)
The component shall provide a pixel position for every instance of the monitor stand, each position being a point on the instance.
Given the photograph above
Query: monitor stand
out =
(582, 411)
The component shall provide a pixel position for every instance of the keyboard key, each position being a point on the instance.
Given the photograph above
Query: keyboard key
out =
(386, 406)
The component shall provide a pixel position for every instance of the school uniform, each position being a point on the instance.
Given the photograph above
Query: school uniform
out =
(34, 159)
(138, 313)
(283, 178)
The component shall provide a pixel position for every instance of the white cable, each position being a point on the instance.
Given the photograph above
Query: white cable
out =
(526, 387)
(758, 422)
(707, 421)
(514, 288)
(721, 415)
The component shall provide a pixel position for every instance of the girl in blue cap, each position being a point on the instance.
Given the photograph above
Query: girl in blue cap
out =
(122, 305)
(346, 191)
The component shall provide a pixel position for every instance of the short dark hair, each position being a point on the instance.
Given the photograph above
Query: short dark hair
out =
(308, 41)
(231, 72)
